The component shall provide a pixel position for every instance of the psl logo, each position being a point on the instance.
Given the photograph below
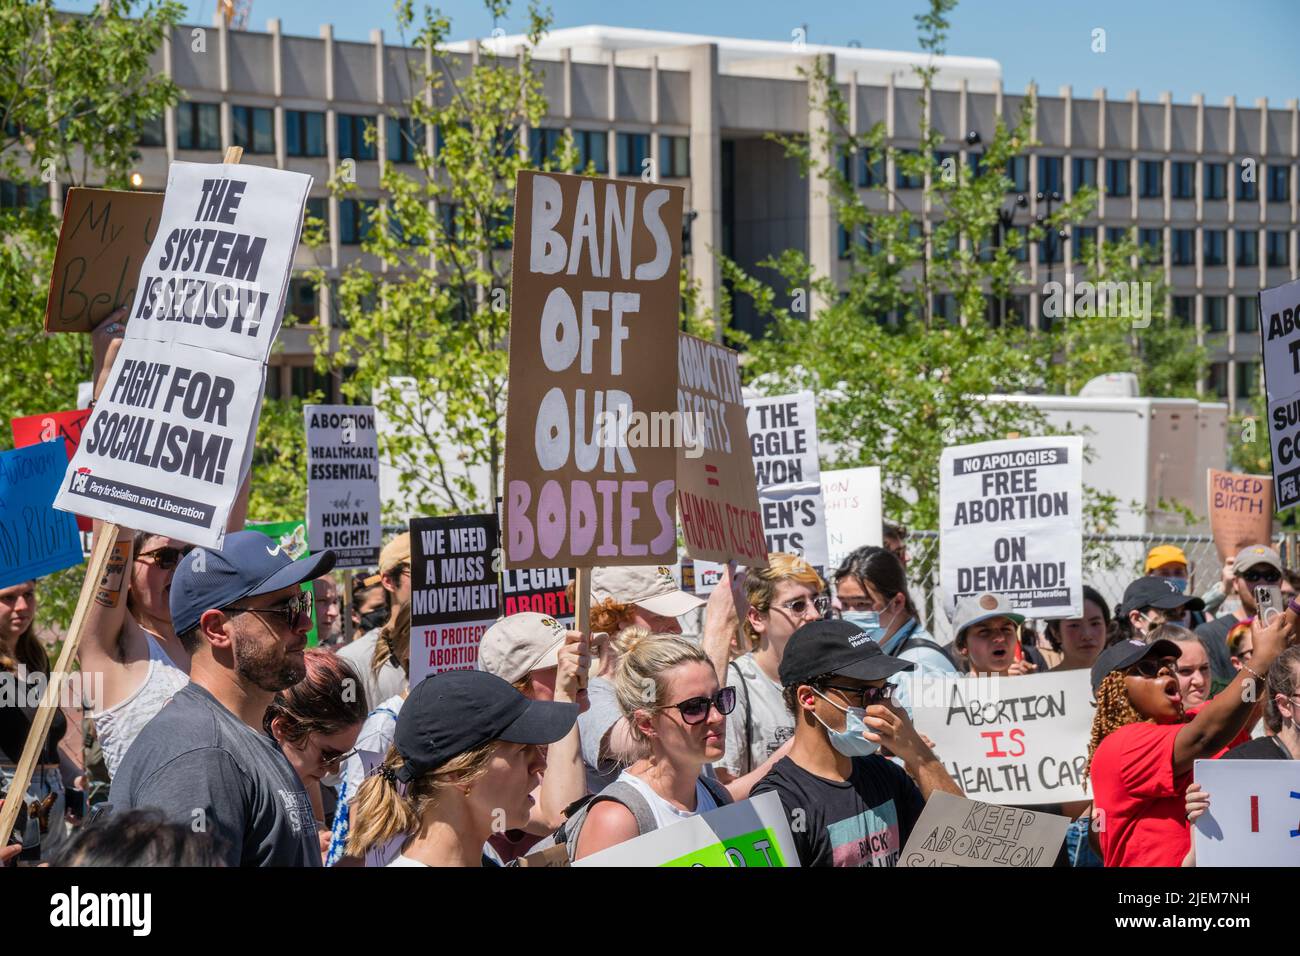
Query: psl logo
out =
(79, 480)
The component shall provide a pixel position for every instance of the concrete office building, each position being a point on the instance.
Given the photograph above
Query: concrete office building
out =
(698, 108)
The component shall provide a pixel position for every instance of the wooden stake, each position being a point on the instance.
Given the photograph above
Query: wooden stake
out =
(346, 606)
(582, 601)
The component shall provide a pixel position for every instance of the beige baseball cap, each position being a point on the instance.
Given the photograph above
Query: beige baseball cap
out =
(647, 586)
(396, 553)
(517, 645)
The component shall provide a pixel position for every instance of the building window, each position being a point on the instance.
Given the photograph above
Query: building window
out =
(1018, 173)
(1247, 189)
(593, 150)
(1183, 180)
(1018, 310)
(304, 381)
(1217, 382)
(1115, 235)
(1051, 174)
(544, 145)
(1085, 172)
(1216, 313)
(1275, 244)
(355, 220)
(152, 132)
(1247, 313)
(1117, 177)
(404, 139)
(302, 301)
(1151, 242)
(633, 152)
(198, 126)
(352, 136)
(901, 179)
(22, 195)
(1051, 248)
(304, 133)
(318, 207)
(1184, 247)
(1215, 247)
(871, 172)
(1021, 252)
(675, 156)
(1247, 251)
(1216, 181)
(447, 219)
(502, 227)
(1279, 183)
(1151, 179)
(253, 127)
(1247, 379)
(1085, 243)
(1184, 307)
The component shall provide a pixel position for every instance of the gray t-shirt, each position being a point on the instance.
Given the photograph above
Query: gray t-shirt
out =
(391, 679)
(761, 722)
(208, 770)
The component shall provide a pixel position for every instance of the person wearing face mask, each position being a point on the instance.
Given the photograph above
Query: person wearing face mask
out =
(849, 805)
(1169, 562)
(1152, 601)
(1255, 566)
(381, 676)
(871, 586)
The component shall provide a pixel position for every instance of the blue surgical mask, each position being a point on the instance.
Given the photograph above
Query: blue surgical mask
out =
(1180, 583)
(848, 741)
(869, 623)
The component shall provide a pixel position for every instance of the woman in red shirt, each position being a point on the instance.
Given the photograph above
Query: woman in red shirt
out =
(1143, 745)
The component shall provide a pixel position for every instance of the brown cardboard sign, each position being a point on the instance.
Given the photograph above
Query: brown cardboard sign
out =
(589, 478)
(1241, 510)
(954, 831)
(716, 491)
(105, 237)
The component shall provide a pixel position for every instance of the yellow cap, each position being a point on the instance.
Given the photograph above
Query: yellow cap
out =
(1164, 554)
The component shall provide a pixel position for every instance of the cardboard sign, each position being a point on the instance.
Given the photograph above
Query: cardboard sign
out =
(1017, 740)
(1251, 821)
(35, 540)
(292, 537)
(853, 513)
(752, 832)
(343, 483)
(720, 512)
(783, 441)
(1011, 522)
(956, 832)
(170, 439)
(1279, 332)
(38, 428)
(105, 236)
(1240, 509)
(589, 474)
(455, 595)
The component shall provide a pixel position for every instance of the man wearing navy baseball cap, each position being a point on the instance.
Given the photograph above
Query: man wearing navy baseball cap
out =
(853, 806)
(203, 759)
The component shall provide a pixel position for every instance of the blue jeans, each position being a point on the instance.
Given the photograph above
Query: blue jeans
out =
(1077, 846)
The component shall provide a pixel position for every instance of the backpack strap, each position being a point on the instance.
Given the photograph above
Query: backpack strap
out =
(749, 721)
(617, 792)
(912, 642)
(721, 795)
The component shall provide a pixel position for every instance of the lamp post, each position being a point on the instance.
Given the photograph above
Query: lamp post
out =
(1048, 199)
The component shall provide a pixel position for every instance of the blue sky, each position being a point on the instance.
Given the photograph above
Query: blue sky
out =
(1246, 47)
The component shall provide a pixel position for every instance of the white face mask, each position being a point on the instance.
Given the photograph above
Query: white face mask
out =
(332, 779)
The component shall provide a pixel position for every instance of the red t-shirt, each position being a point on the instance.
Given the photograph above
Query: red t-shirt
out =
(1133, 783)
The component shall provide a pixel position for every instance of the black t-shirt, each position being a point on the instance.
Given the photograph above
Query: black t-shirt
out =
(18, 703)
(1261, 748)
(862, 821)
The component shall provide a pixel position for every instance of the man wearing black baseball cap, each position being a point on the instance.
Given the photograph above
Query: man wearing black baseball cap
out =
(1151, 601)
(849, 805)
(203, 760)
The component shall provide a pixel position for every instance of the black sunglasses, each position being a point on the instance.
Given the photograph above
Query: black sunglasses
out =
(1151, 667)
(1265, 577)
(866, 695)
(696, 709)
(165, 558)
(290, 611)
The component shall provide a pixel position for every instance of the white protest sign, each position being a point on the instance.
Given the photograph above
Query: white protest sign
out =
(1279, 331)
(1254, 814)
(752, 832)
(170, 440)
(953, 831)
(853, 518)
(1011, 522)
(1016, 740)
(343, 483)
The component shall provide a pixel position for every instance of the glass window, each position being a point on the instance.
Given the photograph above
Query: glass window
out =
(1247, 313)
(1275, 247)
(352, 136)
(1247, 247)
(304, 133)
(1152, 242)
(871, 172)
(1247, 189)
(198, 126)
(447, 217)
(1215, 247)
(901, 179)
(152, 132)
(1184, 247)
(1085, 172)
(593, 150)
(1216, 313)
(404, 139)
(354, 220)
(1247, 379)
(1151, 179)
(1021, 252)
(1117, 177)
(1183, 180)
(1051, 248)
(253, 127)
(633, 153)
(1018, 173)
(1217, 381)
(1279, 183)
(675, 156)
(1051, 174)
(1216, 180)
(1184, 307)
(304, 380)
(302, 302)
(544, 144)
(1115, 235)
(1085, 243)
(318, 207)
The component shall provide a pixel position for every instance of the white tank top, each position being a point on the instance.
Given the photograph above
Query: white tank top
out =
(119, 725)
(665, 813)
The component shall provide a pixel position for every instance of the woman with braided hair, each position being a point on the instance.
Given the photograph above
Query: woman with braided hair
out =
(1143, 744)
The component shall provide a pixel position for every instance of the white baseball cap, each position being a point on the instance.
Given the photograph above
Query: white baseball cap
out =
(646, 586)
(517, 645)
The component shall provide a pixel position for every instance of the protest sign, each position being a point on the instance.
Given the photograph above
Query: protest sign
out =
(291, 536)
(343, 483)
(105, 236)
(35, 540)
(1251, 821)
(170, 439)
(1279, 332)
(953, 831)
(589, 477)
(1017, 740)
(783, 441)
(455, 594)
(853, 513)
(1011, 522)
(1240, 509)
(751, 832)
(68, 425)
(721, 519)
(543, 590)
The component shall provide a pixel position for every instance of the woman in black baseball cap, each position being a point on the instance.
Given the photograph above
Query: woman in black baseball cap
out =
(466, 755)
